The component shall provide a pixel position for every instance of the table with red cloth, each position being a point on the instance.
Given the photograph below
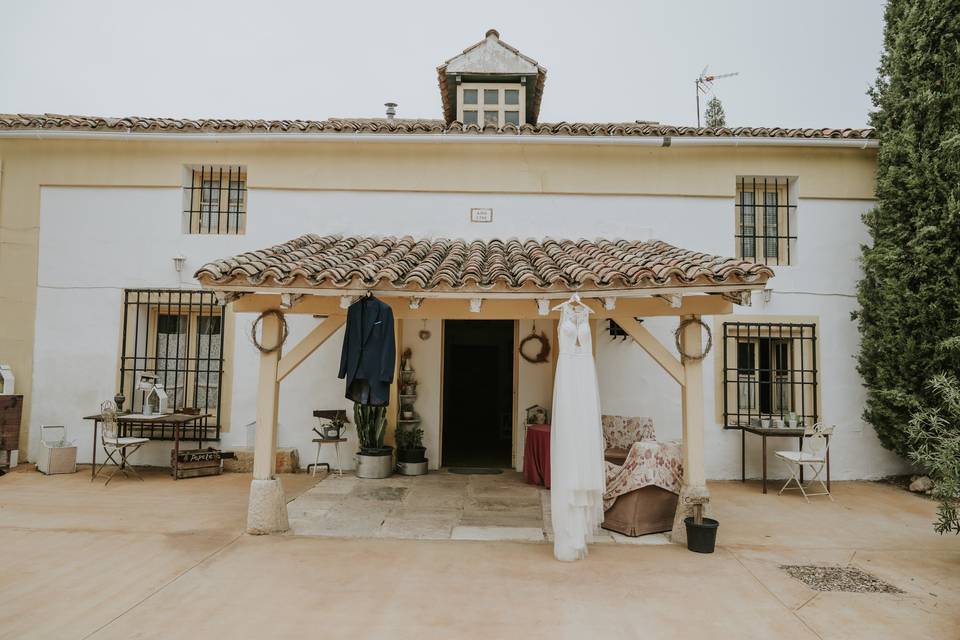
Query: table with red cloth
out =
(536, 455)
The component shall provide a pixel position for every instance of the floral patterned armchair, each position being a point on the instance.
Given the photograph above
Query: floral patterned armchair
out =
(643, 477)
(620, 432)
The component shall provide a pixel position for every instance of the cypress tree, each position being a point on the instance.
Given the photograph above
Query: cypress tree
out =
(910, 292)
(714, 116)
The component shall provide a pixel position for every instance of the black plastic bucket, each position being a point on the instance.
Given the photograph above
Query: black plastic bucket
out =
(701, 537)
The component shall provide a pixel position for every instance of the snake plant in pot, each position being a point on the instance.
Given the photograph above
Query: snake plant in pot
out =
(374, 460)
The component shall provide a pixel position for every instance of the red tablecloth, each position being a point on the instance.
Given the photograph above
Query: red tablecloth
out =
(536, 455)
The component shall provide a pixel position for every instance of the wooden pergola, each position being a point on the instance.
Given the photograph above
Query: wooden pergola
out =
(250, 292)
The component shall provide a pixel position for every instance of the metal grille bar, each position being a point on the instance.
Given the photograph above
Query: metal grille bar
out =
(763, 214)
(176, 335)
(769, 372)
(215, 201)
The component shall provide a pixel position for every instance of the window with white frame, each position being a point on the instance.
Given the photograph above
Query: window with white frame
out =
(765, 220)
(491, 104)
(215, 200)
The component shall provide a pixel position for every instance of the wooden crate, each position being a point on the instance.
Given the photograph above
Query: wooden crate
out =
(194, 463)
(11, 408)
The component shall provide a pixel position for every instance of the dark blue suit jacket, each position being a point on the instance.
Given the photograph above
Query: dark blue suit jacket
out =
(369, 352)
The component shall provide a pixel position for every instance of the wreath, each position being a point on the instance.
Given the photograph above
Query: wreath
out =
(683, 325)
(283, 324)
(541, 355)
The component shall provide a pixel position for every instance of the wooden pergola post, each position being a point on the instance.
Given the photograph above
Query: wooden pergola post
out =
(694, 491)
(267, 508)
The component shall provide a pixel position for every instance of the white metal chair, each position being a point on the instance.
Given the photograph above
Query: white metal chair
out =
(112, 443)
(815, 457)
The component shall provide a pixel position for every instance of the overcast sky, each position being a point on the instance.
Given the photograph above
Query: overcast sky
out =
(803, 63)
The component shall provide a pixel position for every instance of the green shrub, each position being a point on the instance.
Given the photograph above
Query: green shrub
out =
(934, 437)
(409, 437)
(910, 291)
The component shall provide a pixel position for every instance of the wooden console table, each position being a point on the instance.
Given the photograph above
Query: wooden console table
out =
(773, 432)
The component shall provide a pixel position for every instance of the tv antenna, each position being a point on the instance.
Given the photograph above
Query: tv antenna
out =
(704, 84)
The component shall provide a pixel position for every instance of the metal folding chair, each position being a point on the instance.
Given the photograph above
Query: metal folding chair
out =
(113, 444)
(815, 457)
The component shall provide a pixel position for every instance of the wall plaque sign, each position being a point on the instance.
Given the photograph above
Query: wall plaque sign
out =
(481, 215)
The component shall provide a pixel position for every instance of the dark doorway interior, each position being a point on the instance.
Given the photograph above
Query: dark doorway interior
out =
(477, 393)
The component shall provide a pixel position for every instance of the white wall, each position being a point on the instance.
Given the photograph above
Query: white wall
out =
(426, 361)
(534, 384)
(94, 242)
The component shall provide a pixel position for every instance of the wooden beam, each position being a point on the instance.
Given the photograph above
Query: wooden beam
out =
(268, 400)
(694, 494)
(652, 346)
(492, 308)
(393, 408)
(694, 473)
(308, 345)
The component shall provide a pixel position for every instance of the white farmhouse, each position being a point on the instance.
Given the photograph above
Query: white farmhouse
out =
(469, 226)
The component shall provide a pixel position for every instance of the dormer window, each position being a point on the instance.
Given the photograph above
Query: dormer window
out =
(485, 104)
(491, 83)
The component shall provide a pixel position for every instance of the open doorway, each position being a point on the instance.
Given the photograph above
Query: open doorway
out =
(478, 393)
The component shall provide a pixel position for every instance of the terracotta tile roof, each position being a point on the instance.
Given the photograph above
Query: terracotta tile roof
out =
(401, 126)
(479, 265)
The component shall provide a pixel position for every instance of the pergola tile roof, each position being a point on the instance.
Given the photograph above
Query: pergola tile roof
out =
(409, 264)
(409, 126)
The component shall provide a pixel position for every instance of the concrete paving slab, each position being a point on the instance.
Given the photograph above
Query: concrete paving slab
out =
(526, 534)
(649, 539)
(477, 518)
(379, 493)
(424, 528)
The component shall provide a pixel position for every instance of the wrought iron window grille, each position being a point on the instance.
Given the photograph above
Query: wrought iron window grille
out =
(178, 336)
(215, 200)
(765, 221)
(770, 373)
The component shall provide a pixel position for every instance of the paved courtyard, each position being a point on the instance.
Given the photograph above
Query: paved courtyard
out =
(437, 506)
(162, 559)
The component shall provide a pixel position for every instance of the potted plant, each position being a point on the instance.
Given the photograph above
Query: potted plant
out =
(374, 460)
(701, 531)
(411, 454)
(410, 444)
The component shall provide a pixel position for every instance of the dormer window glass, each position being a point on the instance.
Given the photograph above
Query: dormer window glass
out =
(496, 104)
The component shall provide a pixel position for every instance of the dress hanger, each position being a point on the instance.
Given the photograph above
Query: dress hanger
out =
(574, 299)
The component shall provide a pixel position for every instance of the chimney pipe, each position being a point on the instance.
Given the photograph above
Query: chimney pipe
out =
(391, 109)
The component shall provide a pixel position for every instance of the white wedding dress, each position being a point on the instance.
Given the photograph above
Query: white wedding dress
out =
(576, 440)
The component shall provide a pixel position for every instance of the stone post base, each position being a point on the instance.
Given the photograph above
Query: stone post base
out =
(689, 496)
(267, 510)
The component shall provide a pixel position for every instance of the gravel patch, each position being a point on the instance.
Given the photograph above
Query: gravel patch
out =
(837, 578)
